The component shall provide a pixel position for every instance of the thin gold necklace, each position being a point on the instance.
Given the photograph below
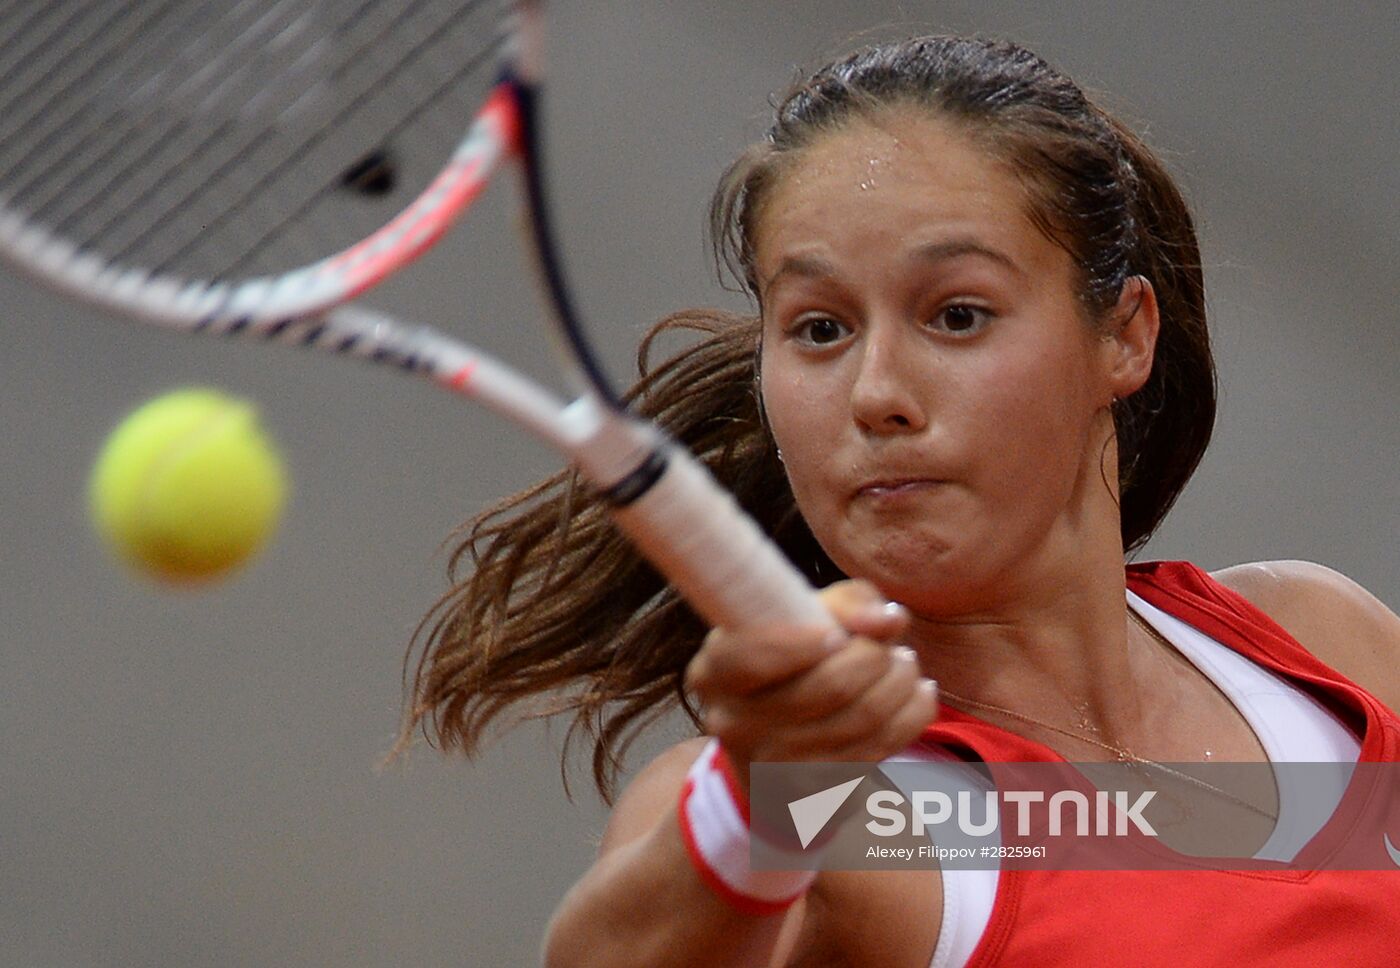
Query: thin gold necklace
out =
(1123, 754)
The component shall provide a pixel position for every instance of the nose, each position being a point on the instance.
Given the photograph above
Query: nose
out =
(887, 392)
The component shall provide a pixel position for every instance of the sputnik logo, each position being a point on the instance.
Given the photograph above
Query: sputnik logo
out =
(811, 813)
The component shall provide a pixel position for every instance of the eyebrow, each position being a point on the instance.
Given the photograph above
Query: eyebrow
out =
(957, 248)
(815, 267)
(806, 266)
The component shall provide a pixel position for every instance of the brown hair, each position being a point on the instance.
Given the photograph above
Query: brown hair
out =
(556, 604)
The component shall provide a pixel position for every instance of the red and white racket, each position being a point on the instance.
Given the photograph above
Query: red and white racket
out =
(188, 163)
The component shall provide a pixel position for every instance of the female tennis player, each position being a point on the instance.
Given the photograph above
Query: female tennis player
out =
(979, 377)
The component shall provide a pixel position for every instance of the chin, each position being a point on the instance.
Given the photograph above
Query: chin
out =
(928, 574)
(911, 572)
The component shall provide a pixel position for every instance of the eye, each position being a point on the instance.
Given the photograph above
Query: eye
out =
(962, 319)
(819, 331)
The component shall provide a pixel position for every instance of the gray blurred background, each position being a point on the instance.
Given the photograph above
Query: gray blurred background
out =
(190, 779)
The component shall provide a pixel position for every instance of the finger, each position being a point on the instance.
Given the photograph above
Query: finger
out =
(740, 663)
(884, 719)
(915, 716)
(859, 607)
(837, 682)
(744, 719)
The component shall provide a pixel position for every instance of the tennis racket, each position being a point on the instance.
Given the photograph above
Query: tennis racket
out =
(236, 167)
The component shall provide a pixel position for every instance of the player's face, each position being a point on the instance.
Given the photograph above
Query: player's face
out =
(935, 389)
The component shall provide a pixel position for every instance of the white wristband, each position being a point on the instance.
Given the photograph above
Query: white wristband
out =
(714, 820)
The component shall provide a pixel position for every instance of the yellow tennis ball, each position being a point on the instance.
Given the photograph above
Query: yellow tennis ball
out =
(188, 486)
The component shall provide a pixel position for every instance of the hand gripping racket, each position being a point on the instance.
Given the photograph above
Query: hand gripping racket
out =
(224, 166)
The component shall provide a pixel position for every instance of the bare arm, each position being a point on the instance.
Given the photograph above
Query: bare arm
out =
(769, 697)
(642, 903)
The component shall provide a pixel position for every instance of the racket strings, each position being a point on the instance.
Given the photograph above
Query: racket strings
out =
(195, 88)
(209, 139)
(142, 142)
(193, 139)
(416, 100)
(116, 86)
(299, 215)
(20, 46)
(47, 132)
(388, 83)
(33, 65)
(424, 107)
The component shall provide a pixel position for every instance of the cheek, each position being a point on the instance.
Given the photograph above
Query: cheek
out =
(803, 418)
(1038, 416)
(787, 401)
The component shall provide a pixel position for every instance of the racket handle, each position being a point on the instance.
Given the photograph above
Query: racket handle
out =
(685, 524)
(714, 554)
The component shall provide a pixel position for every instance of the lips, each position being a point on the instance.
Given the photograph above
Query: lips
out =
(896, 486)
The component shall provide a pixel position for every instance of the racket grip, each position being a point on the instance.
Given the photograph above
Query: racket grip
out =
(714, 554)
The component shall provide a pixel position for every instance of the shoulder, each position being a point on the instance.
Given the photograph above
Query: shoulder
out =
(1330, 615)
(1310, 594)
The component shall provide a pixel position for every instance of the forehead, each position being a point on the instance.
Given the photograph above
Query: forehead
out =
(901, 179)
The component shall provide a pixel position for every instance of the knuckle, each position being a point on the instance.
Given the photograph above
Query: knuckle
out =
(864, 667)
(746, 663)
(867, 717)
(857, 725)
(716, 662)
(816, 702)
(841, 691)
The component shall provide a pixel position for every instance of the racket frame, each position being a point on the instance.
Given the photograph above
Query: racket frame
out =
(659, 495)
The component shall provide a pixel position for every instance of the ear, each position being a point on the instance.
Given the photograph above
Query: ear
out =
(1130, 339)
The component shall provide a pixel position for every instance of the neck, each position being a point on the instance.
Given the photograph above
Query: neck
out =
(1049, 635)
(1071, 658)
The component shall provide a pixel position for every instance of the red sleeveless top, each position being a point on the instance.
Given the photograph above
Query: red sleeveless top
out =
(1190, 919)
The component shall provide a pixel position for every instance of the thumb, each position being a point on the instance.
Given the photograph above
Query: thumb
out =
(860, 608)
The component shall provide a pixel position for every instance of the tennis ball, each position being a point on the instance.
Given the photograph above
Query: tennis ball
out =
(187, 487)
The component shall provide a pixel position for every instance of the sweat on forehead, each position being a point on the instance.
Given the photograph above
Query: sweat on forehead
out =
(870, 145)
(913, 181)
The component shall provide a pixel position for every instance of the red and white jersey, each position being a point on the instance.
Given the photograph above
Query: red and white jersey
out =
(1195, 918)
